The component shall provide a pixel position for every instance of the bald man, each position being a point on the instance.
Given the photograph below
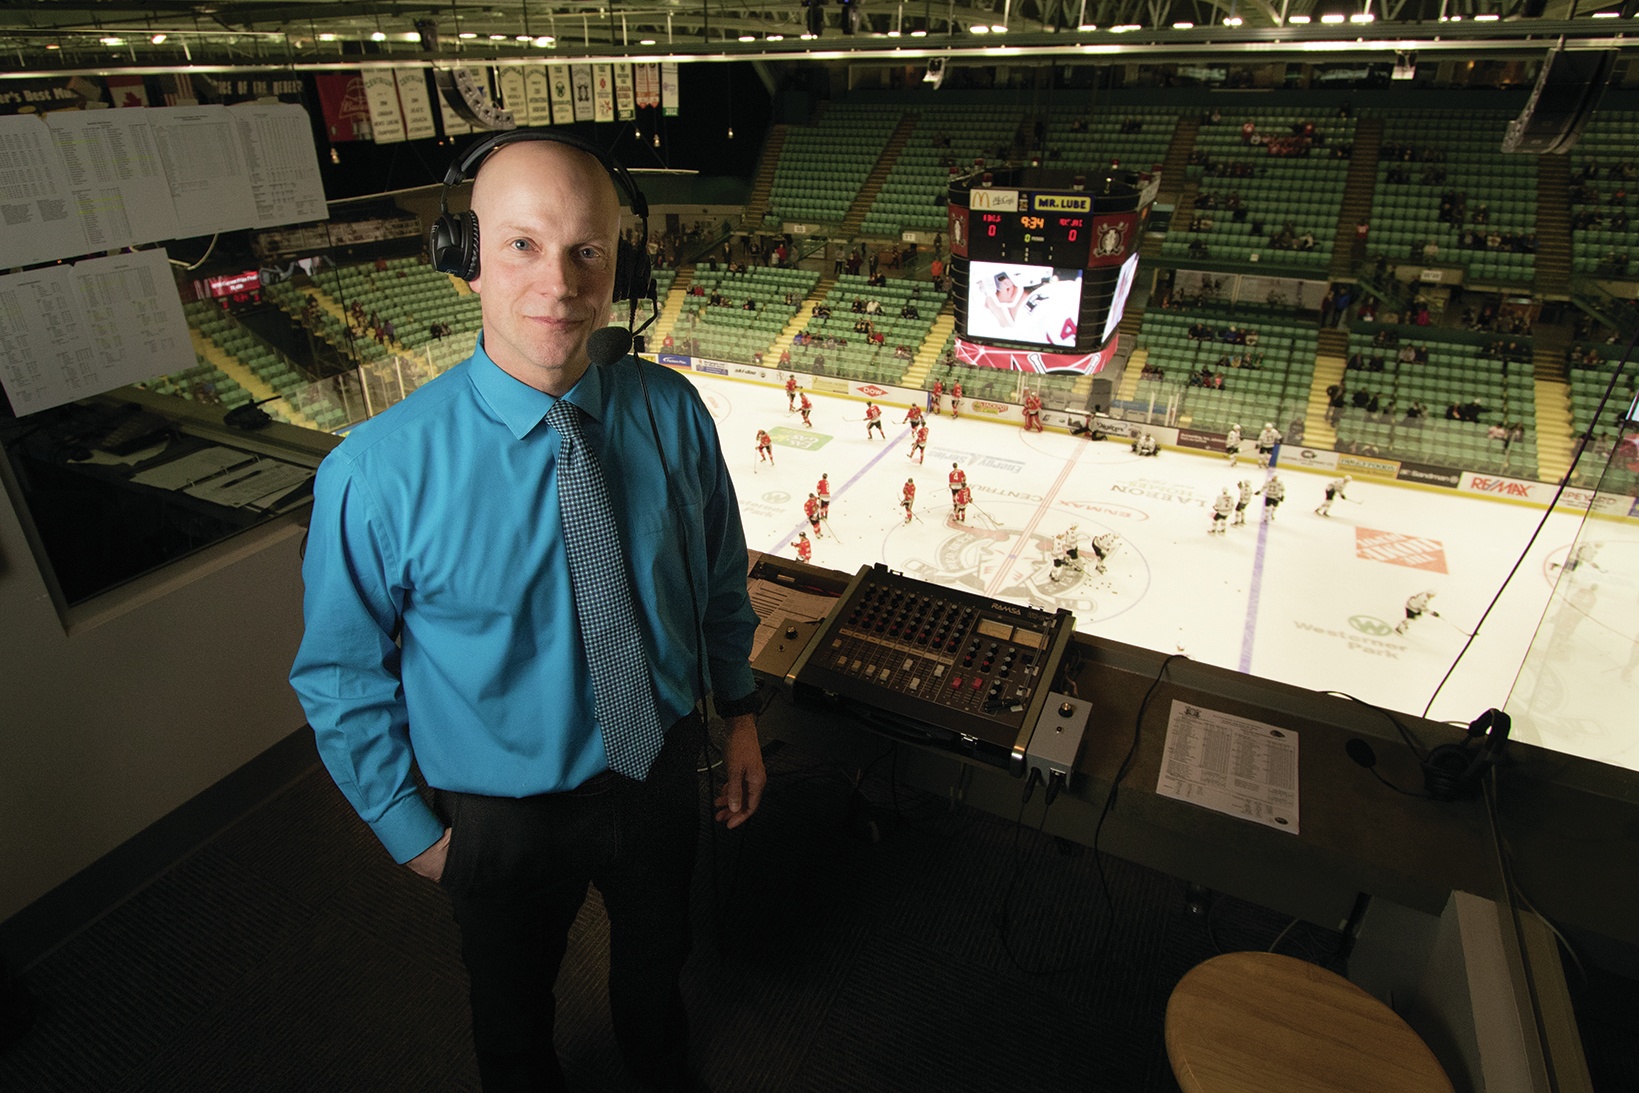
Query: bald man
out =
(442, 633)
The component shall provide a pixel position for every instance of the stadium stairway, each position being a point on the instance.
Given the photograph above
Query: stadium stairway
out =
(927, 354)
(1358, 188)
(1174, 169)
(821, 288)
(762, 187)
(1130, 357)
(1554, 427)
(673, 307)
(1331, 348)
(879, 174)
(1553, 258)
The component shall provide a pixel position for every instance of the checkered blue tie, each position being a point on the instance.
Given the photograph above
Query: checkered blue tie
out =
(632, 733)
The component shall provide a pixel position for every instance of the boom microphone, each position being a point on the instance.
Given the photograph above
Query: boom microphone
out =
(609, 345)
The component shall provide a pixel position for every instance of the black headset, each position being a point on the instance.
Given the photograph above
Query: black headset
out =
(1452, 772)
(453, 238)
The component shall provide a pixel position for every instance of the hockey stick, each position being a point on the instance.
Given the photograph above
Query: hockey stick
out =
(826, 520)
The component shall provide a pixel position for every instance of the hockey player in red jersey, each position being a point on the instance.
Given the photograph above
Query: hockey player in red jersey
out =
(1032, 412)
(822, 490)
(938, 393)
(956, 399)
(765, 447)
(919, 445)
(907, 499)
(805, 407)
(811, 509)
(873, 420)
(790, 392)
(959, 504)
(805, 548)
(913, 416)
(957, 479)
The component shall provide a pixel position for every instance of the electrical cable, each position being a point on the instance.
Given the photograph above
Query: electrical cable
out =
(1564, 483)
(1418, 748)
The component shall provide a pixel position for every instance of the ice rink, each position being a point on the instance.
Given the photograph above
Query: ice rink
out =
(1305, 599)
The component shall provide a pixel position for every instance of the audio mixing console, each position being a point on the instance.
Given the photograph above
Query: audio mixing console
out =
(957, 668)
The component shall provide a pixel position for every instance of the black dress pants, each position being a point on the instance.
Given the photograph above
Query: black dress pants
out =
(517, 873)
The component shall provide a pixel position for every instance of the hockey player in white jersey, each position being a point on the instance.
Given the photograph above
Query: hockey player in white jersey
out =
(1334, 490)
(1232, 444)
(1072, 548)
(1061, 547)
(1221, 508)
(1267, 441)
(1415, 606)
(1103, 546)
(1242, 501)
(1274, 492)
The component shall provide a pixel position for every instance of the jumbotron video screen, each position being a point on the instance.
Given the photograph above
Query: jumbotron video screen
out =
(1042, 263)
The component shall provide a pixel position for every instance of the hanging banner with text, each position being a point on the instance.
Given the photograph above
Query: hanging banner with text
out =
(625, 93)
(563, 94)
(668, 88)
(415, 103)
(537, 95)
(581, 75)
(386, 119)
(603, 93)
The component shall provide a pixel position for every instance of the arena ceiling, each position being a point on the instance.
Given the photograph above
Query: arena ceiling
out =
(58, 36)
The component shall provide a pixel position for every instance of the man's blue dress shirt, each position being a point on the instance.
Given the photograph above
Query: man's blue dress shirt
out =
(436, 524)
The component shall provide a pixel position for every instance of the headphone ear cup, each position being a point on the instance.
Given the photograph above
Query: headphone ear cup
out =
(632, 271)
(453, 243)
(1448, 772)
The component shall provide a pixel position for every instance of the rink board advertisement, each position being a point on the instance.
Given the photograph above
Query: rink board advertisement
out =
(1366, 465)
(1318, 459)
(1426, 475)
(1206, 442)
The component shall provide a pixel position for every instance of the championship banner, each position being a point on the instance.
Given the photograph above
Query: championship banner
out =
(386, 119)
(581, 77)
(625, 94)
(415, 102)
(563, 94)
(454, 124)
(648, 84)
(511, 83)
(537, 95)
(668, 88)
(1030, 360)
(346, 111)
(603, 93)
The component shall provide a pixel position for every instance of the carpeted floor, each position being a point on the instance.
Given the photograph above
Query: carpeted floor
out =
(847, 941)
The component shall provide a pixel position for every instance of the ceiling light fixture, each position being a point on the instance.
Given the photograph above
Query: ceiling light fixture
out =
(158, 39)
(997, 28)
(465, 35)
(378, 36)
(1362, 17)
(546, 41)
(1298, 20)
(112, 41)
(748, 38)
(1087, 28)
(1183, 25)
(1492, 18)
(1233, 21)
(978, 28)
(1332, 18)
(1124, 28)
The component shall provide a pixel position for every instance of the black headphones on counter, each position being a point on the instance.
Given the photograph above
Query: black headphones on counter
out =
(453, 237)
(1451, 772)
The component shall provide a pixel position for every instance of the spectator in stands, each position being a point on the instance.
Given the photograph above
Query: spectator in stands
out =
(1336, 402)
(822, 311)
(858, 306)
(667, 343)
(1361, 399)
(749, 305)
(785, 358)
(909, 312)
(902, 352)
(873, 307)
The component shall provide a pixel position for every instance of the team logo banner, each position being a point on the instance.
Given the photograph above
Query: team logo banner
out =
(1029, 360)
(1411, 551)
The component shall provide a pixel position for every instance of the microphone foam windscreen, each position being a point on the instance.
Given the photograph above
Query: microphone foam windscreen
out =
(1361, 752)
(608, 345)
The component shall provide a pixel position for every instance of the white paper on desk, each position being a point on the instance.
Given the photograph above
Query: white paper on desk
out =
(774, 603)
(238, 488)
(277, 141)
(38, 218)
(1230, 764)
(115, 175)
(210, 186)
(194, 467)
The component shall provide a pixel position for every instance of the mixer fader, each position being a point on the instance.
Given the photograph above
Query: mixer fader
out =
(964, 669)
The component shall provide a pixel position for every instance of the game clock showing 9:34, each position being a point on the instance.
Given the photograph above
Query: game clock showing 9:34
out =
(1036, 238)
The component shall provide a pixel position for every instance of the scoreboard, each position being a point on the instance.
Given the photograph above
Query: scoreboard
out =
(1042, 263)
(1035, 229)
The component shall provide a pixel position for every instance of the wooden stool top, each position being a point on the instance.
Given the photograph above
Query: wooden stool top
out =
(1264, 1023)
